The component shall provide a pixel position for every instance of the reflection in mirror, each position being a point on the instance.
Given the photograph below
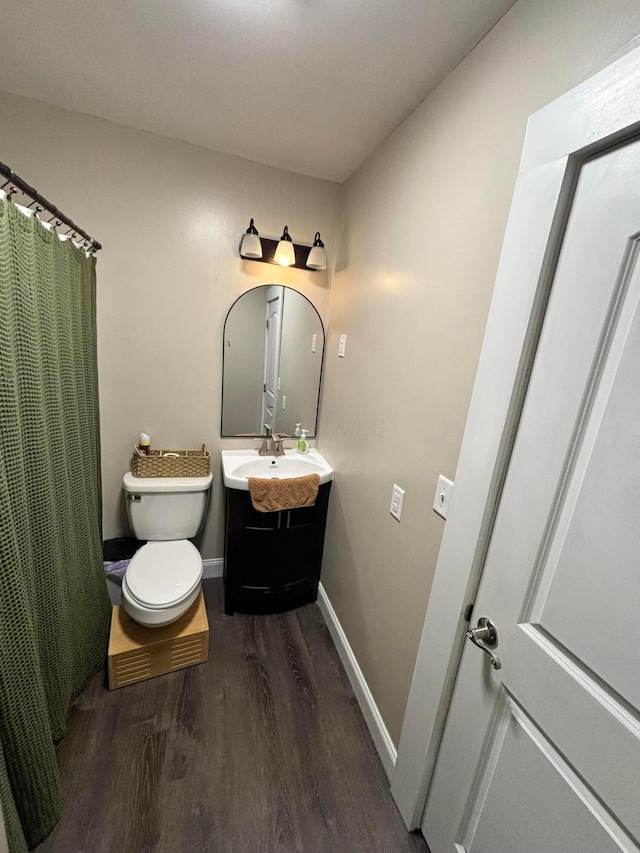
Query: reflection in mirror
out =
(272, 363)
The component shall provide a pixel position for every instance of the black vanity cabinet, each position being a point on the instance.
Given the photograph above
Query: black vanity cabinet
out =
(272, 560)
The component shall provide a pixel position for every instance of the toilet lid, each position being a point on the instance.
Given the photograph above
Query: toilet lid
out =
(162, 574)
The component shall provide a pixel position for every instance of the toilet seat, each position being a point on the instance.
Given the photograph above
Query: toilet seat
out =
(162, 581)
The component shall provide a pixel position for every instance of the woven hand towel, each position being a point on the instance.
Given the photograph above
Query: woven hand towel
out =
(291, 493)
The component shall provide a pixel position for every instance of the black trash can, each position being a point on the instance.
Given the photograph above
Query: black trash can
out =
(123, 548)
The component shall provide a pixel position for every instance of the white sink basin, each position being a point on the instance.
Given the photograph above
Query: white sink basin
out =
(239, 465)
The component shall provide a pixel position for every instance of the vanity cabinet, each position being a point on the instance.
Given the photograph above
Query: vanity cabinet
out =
(272, 560)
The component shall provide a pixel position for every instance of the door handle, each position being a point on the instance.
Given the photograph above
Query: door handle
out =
(485, 637)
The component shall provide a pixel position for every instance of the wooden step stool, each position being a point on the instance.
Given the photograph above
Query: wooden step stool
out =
(137, 653)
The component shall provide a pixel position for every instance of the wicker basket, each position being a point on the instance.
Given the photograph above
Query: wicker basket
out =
(181, 463)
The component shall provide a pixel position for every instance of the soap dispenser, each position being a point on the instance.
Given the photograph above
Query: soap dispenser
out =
(303, 444)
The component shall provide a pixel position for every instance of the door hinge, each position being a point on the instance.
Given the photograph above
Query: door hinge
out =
(467, 612)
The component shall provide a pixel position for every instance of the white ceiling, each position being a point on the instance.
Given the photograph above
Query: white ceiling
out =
(307, 85)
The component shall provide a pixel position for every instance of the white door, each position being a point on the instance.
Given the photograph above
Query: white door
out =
(274, 302)
(543, 754)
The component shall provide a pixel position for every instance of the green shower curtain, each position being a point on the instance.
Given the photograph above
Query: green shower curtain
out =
(54, 607)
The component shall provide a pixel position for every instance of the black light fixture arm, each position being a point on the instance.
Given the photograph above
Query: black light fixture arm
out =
(20, 184)
(269, 247)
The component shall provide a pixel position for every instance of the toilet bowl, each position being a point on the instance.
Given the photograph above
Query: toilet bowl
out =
(164, 577)
(162, 581)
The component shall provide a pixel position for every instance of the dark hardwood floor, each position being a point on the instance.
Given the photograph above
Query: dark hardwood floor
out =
(261, 750)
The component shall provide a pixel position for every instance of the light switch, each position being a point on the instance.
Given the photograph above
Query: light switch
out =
(397, 497)
(342, 346)
(443, 494)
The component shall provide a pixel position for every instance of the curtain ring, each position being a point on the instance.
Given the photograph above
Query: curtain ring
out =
(38, 209)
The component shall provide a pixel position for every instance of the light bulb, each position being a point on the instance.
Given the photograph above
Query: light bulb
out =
(285, 253)
(317, 259)
(250, 246)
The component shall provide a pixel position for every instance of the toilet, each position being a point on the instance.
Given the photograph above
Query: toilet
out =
(164, 577)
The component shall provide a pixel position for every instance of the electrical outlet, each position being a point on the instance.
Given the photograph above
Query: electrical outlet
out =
(397, 497)
(443, 494)
(342, 346)
(284, 402)
(314, 342)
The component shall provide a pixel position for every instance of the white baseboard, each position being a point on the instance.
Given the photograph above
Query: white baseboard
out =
(373, 718)
(213, 568)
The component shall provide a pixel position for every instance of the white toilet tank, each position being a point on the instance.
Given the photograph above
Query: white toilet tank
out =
(162, 508)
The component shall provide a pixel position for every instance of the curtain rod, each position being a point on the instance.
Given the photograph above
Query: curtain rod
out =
(40, 200)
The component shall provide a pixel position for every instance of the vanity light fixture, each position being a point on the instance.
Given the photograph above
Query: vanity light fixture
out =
(317, 259)
(250, 245)
(285, 253)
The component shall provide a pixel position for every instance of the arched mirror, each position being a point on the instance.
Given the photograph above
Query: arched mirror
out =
(272, 363)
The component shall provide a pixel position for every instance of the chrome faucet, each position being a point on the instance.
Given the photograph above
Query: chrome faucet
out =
(278, 444)
(272, 445)
(264, 447)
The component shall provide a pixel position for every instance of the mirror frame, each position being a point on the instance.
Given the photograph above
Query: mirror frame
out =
(320, 377)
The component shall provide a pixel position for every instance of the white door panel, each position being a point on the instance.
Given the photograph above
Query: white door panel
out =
(544, 754)
(558, 813)
(592, 570)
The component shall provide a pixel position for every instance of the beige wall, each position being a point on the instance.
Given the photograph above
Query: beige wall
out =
(422, 229)
(170, 217)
